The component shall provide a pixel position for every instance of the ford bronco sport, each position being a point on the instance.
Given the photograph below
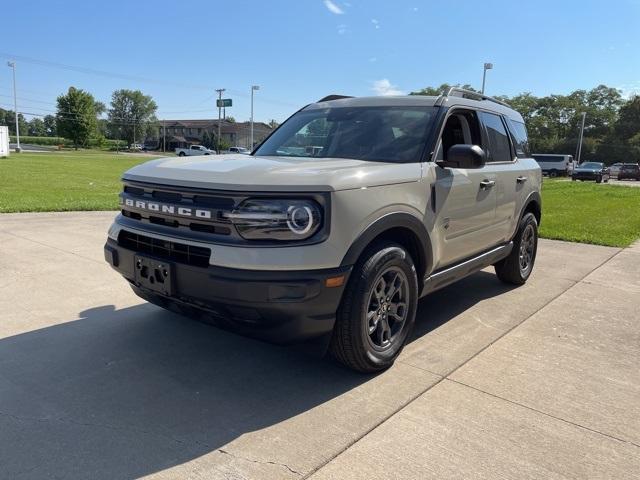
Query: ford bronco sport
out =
(338, 222)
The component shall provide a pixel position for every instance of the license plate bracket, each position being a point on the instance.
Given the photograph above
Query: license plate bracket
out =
(153, 274)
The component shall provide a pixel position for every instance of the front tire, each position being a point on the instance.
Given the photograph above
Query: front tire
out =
(378, 309)
(517, 267)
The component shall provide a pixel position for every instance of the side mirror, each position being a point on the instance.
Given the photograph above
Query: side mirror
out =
(464, 156)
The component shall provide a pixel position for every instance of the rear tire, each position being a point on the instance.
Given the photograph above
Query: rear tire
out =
(517, 267)
(598, 179)
(378, 309)
(181, 154)
(553, 174)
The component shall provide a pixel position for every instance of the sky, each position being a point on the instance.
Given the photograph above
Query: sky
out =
(298, 51)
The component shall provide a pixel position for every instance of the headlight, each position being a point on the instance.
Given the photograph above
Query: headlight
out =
(276, 219)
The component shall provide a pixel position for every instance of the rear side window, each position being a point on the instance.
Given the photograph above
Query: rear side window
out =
(519, 132)
(548, 158)
(499, 146)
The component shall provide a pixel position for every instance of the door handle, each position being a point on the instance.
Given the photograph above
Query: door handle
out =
(521, 179)
(486, 184)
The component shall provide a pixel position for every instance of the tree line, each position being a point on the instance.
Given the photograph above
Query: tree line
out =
(612, 126)
(131, 117)
(612, 123)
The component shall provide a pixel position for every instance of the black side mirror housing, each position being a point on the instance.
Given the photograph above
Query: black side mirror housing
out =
(464, 156)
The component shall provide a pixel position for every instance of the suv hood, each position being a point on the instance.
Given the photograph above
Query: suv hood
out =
(244, 172)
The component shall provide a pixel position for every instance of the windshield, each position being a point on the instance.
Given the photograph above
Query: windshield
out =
(591, 165)
(385, 134)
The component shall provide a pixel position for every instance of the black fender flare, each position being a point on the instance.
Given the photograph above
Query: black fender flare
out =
(534, 197)
(388, 222)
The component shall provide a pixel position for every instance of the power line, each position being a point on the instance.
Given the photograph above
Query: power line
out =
(105, 73)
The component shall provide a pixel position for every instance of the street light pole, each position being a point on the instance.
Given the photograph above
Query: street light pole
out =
(253, 89)
(219, 90)
(164, 136)
(15, 105)
(584, 115)
(487, 66)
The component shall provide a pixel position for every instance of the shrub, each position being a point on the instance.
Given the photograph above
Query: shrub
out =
(52, 141)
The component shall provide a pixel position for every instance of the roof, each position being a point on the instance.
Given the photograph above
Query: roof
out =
(225, 125)
(418, 101)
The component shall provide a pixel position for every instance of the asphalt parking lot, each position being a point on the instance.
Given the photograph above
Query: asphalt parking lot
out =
(541, 381)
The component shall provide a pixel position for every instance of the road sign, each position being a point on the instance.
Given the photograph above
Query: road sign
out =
(223, 103)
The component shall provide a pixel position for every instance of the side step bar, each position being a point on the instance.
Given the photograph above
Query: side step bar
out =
(452, 274)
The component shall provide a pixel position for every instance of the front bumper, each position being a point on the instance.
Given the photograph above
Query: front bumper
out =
(588, 175)
(278, 306)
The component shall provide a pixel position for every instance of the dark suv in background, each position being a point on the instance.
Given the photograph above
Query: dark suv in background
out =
(630, 171)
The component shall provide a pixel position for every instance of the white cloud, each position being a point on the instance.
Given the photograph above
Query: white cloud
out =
(376, 23)
(342, 29)
(384, 88)
(630, 89)
(333, 8)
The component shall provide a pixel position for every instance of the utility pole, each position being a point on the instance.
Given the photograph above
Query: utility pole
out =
(12, 64)
(584, 115)
(164, 136)
(220, 91)
(253, 89)
(487, 66)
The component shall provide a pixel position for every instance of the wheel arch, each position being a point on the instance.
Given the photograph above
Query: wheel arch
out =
(402, 228)
(533, 204)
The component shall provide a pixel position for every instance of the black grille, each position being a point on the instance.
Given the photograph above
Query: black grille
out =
(177, 252)
(217, 204)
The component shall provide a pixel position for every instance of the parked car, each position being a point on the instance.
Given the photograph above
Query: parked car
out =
(402, 196)
(135, 146)
(614, 169)
(194, 150)
(591, 171)
(554, 165)
(241, 150)
(630, 171)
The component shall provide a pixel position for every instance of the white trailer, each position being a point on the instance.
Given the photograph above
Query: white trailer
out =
(4, 142)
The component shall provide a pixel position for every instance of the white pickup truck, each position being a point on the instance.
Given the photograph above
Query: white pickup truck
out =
(194, 150)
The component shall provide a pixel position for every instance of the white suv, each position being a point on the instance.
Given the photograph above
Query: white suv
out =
(339, 221)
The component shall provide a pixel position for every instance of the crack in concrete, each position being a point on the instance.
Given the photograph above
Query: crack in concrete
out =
(513, 402)
(54, 248)
(267, 462)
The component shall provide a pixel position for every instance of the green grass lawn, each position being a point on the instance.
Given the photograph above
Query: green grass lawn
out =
(60, 181)
(590, 213)
(90, 180)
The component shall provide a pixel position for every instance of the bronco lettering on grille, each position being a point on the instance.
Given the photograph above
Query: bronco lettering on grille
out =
(167, 208)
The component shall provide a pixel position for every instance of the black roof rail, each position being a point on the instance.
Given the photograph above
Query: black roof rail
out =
(461, 92)
(333, 97)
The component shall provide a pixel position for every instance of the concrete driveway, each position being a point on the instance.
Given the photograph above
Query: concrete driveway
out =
(541, 381)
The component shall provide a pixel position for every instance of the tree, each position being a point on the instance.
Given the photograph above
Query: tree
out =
(441, 90)
(230, 119)
(8, 118)
(208, 140)
(627, 126)
(76, 117)
(37, 128)
(273, 124)
(50, 126)
(132, 115)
